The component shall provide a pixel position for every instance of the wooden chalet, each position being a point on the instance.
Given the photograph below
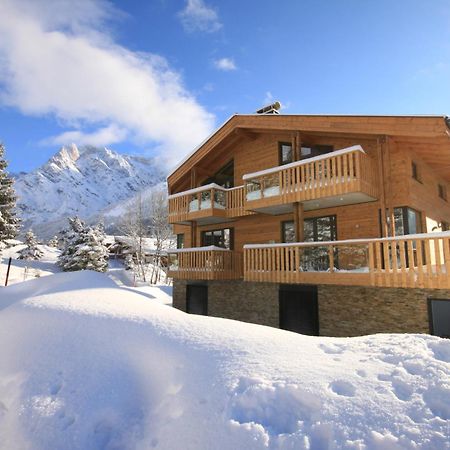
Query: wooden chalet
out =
(321, 224)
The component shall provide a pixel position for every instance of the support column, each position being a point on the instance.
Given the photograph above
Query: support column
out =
(298, 221)
(193, 234)
(382, 175)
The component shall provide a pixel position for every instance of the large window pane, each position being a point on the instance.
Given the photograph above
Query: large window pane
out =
(286, 154)
(288, 231)
(219, 238)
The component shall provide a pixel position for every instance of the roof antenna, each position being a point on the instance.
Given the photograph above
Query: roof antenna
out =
(273, 108)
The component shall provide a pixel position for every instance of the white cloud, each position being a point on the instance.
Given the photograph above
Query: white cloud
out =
(54, 62)
(197, 16)
(109, 135)
(225, 64)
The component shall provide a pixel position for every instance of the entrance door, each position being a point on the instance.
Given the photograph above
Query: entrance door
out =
(439, 316)
(197, 299)
(299, 309)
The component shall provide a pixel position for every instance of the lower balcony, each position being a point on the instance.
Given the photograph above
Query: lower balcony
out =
(205, 263)
(416, 261)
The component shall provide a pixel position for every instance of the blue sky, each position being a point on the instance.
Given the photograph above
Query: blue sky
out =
(156, 77)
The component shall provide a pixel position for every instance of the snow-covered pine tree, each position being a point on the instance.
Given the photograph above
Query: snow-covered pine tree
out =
(53, 242)
(68, 240)
(85, 248)
(31, 251)
(9, 222)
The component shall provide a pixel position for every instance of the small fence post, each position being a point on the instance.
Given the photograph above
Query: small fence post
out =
(7, 272)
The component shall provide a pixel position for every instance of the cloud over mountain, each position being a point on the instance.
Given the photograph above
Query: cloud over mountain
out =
(60, 59)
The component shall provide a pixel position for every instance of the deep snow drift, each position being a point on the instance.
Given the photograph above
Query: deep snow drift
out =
(85, 364)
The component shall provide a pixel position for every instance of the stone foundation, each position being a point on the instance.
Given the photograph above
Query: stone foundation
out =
(343, 310)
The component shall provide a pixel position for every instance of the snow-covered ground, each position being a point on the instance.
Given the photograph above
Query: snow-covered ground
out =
(86, 364)
(22, 270)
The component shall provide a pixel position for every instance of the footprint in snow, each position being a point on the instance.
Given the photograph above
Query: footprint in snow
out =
(342, 387)
(331, 349)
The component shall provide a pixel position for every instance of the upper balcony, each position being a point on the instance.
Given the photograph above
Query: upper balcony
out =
(414, 261)
(207, 204)
(343, 177)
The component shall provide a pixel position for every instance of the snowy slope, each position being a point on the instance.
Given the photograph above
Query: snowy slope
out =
(87, 365)
(88, 182)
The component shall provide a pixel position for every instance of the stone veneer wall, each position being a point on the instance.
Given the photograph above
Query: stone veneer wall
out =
(355, 311)
(343, 310)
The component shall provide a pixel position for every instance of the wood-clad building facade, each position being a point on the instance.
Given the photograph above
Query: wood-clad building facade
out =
(331, 225)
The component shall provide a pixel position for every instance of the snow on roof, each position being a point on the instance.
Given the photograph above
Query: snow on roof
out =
(343, 151)
(143, 374)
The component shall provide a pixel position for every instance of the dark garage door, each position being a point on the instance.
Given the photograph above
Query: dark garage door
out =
(439, 312)
(299, 310)
(197, 299)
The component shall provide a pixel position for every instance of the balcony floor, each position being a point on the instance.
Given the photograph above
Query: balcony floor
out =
(351, 198)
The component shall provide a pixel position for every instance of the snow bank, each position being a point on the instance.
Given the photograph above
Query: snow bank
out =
(86, 365)
(22, 270)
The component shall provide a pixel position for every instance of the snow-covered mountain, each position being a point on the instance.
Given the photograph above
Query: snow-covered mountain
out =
(88, 182)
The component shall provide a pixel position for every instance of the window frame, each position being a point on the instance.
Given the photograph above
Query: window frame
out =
(222, 230)
(333, 218)
(280, 153)
(283, 230)
(415, 172)
(315, 150)
(180, 237)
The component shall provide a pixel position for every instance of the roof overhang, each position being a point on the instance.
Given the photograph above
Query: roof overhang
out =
(422, 127)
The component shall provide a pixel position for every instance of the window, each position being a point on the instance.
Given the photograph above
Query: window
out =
(180, 240)
(415, 171)
(309, 151)
(219, 238)
(442, 191)
(319, 229)
(407, 221)
(445, 226)
(223, 177)
(288, 231)
(286, 155)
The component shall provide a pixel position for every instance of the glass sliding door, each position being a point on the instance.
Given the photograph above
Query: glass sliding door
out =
(318, 229)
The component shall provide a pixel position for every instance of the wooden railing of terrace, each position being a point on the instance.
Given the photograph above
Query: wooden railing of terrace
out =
(205, 264)
(207, 201)
(334, 174)
(416, 261)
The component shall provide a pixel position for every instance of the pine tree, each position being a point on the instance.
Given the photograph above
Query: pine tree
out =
(85, 248)
(31, 251)
(53, 242)
(9, 223)
(68, 241)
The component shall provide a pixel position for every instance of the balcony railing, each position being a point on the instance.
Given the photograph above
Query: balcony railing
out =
(207, 202)
(416, 261)
(335, 174)
(205, 263)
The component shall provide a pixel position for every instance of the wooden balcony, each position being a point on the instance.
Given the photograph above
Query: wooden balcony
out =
(343, 177)
(416, 261)
(207, 204)
(205, 263)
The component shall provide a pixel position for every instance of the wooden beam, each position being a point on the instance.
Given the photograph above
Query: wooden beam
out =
(298, 221)
(380, 148)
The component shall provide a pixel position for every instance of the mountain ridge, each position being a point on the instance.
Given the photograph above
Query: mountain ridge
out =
(85, 181)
